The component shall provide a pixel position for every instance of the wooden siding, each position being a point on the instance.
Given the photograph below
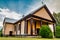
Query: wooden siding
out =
(43, 13)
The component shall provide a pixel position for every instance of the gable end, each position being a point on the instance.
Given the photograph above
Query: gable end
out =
(47, 12)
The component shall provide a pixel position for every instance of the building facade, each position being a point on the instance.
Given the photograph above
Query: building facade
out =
(30, 24)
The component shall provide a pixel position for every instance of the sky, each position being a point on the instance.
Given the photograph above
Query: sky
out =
(14, 9)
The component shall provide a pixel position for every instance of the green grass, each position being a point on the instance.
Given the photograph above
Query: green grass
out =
(19, 38)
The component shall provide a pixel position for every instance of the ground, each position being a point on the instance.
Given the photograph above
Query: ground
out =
(19, 38)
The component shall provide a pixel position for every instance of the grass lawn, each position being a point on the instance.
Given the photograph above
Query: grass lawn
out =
(17, 38)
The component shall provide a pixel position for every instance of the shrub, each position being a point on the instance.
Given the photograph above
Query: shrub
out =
(1, 33)
(57, 33)
(45, 32)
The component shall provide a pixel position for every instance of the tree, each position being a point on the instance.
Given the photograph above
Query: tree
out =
(1, 33)
(45, 32)
(57, 17)
(57, 33)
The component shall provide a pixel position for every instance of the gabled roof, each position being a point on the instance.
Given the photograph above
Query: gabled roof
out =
(9, 20)
(44, 6)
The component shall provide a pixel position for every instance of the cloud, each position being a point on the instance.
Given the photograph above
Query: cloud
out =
(10, 14)
(53, 5)
(33, 7)
(1, 17)
(1, 23)
(1, 20)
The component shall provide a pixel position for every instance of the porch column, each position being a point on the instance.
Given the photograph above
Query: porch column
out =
(20, 28)
(54, 29)
(16, 29)
(35, 27)
(40, 23)
(31, 21)
(25, 28)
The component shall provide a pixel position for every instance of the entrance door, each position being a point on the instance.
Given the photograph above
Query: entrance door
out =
(38, 31)
(10, 33)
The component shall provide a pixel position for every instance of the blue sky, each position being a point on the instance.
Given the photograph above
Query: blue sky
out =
(20, 6)
(16, 8)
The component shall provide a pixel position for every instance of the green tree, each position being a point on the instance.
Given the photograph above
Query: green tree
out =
(1, 33)
(57, 33)
(57, 17)
(45, 32)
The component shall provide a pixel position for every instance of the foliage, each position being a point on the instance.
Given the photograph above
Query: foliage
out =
(57, 17)
(0, 32)
(45, 32)
(57, 33)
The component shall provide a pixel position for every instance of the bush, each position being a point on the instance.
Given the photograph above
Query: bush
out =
(1, 33)
(45, 32)
(57, 33)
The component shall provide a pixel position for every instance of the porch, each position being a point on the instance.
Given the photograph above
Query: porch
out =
(31, 25)
(34, 23)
